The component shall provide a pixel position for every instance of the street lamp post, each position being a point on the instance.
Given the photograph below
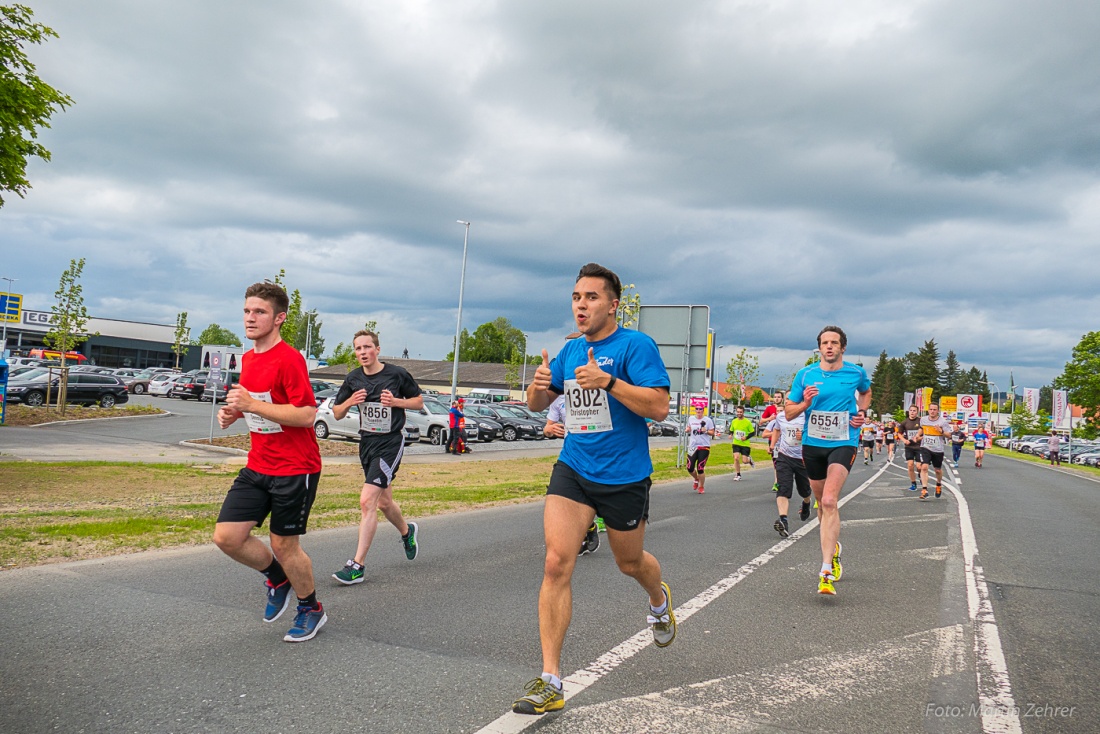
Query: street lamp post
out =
(523, 380)
(4, 339)
(458, 327)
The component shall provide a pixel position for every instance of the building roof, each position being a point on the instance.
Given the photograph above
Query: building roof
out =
(433, 373)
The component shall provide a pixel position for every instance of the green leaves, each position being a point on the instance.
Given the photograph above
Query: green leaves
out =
(26, 102)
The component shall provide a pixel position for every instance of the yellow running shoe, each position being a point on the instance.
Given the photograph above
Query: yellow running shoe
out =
(825, 584)
(663, 626)
(541, 697)
(838, 570)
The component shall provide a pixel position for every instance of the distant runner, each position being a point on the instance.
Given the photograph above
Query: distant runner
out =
(890, 431)
(958, 440)
(741, 429)
(791, 470)
(934, 430)
(700, 432)
(867, 439)
(981, 441)
(909, 435)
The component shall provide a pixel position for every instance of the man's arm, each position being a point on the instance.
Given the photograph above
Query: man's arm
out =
(648, 402)
(300, 416)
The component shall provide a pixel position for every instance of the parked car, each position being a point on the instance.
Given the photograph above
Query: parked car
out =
(434, 422)
(194, 386)
(321, 395)
(81, 389)
(136, 381)
(669, 427)
(514, 425)
(1035, 446)
(326, 424)
(161, 384)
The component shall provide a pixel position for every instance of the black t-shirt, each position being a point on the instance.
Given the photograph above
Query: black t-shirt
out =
(958, 437)
(908, 429)
(395, 379)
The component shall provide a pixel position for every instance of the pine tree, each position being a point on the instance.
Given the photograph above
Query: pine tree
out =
(924, 368)
(951, 375)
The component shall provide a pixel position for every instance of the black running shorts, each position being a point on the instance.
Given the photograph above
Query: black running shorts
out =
(818, 459)
(697, 460)
(935, 458)
(380, 456)
(869, 444)
(622, 506)
(743, 450)
(287, 499)
(791, 473)
(913, 453)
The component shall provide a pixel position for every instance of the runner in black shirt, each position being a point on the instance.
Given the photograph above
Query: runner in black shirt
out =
(379, 393)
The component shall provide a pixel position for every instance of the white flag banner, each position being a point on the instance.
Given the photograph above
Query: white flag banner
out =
(1031, 399)
(908, 401)
(1060, 408)
(969, 405)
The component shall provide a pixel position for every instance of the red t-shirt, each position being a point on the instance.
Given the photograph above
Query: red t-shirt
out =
(769, 412)
(279, 376)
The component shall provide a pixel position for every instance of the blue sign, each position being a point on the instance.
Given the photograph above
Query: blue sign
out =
(11, 306)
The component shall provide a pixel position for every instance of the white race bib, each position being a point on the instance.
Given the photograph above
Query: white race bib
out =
(586, 411)
(792, 436)
(739, 435)
(828, 425)
(374, 418)
(257, 423)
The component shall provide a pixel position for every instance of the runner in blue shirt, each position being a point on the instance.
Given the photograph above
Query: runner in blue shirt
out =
(612, 380)
(830, 393)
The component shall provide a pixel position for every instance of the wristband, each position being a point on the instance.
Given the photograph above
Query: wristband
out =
(611, 383)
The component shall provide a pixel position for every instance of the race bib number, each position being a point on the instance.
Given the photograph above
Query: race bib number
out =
(932, 442)
(586, 411)
(792, 437)
(912, 434)
(739, 435)
(257, 423)
(828, 425)
(374, 418)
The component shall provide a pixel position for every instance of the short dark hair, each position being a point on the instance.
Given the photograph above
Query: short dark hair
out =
(272, 293)
(364, 332)
(594, 270)
(836, 329)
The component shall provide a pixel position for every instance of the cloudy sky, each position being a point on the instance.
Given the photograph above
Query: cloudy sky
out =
(909, 170)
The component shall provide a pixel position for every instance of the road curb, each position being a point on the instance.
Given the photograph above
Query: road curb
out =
(107, 418)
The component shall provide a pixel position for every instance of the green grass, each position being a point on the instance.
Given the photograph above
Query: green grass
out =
(1086, 470)
(52, 512)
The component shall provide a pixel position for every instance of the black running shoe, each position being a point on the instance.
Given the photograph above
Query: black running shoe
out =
(780, 526)
(804, 513)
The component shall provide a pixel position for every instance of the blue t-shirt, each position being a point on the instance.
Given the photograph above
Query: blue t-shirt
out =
(836, 393)
(621, 455)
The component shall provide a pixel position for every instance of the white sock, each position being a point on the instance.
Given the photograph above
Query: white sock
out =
(827, 568)
(552, 680)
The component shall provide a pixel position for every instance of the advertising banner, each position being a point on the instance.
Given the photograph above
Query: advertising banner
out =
(969, 405)
(1031, 399)
(1061, 406)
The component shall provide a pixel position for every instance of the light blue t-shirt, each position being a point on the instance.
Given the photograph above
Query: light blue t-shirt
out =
(621, 455)
(836, 393)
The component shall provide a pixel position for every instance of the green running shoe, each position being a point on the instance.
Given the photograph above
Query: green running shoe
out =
(351, 573)
(409, 541)
(838, 570)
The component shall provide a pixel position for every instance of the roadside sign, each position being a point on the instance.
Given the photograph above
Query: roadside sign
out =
(11, 307)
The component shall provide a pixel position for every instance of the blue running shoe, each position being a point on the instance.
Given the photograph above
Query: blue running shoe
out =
(307, 623)
(913, 487)
(278, 598)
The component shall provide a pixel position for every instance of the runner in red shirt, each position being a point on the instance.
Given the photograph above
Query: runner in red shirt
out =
(275, 398)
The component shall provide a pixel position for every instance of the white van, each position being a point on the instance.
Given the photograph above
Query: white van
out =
(489, 395)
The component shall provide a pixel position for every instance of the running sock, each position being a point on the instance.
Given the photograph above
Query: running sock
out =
(782, 517)
(658, 611)
(406, 535)
(310, 601)
(274, 572)
(827, 568)
(552, 680)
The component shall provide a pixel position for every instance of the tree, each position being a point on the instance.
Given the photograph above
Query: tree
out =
(1024, 422)
(343, 354)
(952, 373)
(630, 304)
(495, 342)
(215, 334)
(26, 102)
(68, 320)
(887, 385)
(309, 334)
(742, 370)
(757, 398)
(924, 369)
(182, 334)
(1081, 376)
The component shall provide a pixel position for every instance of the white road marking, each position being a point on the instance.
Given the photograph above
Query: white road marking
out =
(577, 682)
(995, 698)
(764, 699)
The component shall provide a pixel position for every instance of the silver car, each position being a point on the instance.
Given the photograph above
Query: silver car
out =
(326, 424)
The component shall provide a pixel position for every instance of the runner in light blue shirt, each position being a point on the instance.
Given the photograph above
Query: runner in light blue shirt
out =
(830, 393)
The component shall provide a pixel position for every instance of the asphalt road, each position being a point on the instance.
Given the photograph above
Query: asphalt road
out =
(174, 642)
